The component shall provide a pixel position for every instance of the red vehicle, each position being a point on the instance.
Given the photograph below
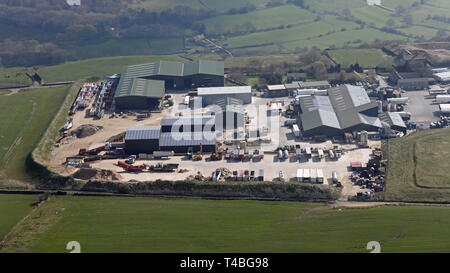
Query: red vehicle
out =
(95, 151)
(241, 154)
(131, 168)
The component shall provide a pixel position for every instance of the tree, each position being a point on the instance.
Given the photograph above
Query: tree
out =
(347, 12)
(319, 70)
(399, 10)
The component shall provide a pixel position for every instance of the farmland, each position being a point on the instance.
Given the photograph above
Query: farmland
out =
(12, 208)
(112, 224)
(431, 171)
(364, 57)
(280, 16)
(25, 117)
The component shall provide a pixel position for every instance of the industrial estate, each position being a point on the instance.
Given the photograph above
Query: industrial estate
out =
(238, 126)
(177, 121)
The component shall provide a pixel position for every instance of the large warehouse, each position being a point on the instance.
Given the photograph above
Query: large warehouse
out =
(142, 86)
(183, 142)
(210, 95)
(142, 139)
(188, 124)
(138, 93)
(347, 108)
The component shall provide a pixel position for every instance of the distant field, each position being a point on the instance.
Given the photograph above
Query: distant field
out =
(433, 178)
(25, 117)
(14, 77)
(114, 224)
(96, 67)
(279, 16)
(298, 34)
(126, 47)
(364, 57)
(419, 31)
(218, 5)
(13, 207)
(334, 5)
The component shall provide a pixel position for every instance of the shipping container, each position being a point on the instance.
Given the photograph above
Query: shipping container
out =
(313, 175)
(296, 130)
(308, 152)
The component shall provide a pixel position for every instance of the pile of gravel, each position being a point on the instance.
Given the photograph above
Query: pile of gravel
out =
(86, 130)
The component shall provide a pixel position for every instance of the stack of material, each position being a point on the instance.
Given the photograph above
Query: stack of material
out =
(86, 130)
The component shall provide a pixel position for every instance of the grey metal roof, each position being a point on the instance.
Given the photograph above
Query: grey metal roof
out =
(164, 68)
(187, 139)
(230, 104)
(393, 119)
(202, 91)
(413, 80)
(341, 109)
(187, 120)
(142, 133)
(314, 84)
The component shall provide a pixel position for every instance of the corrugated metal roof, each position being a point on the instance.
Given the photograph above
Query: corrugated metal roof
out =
(142, 133)
(187, 139)
(188, 120)
(314, 84)
(202, 91)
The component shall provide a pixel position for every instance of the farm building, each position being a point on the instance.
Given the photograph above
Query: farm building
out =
(414, 83)
(321, 85)
(346, 109)
(394, 120)
(138, 93)
(183, 142)
(210, 95)
(188, 124)
(142, 139)
(275, 91)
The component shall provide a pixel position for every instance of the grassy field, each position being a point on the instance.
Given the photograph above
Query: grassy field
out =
(218, 5)
(25, 117)
(96, 67)
(14, 77)
(364, 57)
(126, 47)
(111, 224)
(433, 178)
(13, 207)
(280, 16)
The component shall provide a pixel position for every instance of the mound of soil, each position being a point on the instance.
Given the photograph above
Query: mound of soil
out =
(96, 174)
(86, 130)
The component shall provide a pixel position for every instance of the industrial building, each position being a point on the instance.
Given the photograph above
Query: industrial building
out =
(142, 86)
(347, 108)
(442, 74)
(138, 93)
(210, 95)
(142, 139)
(229, 113)
(183, 142)
(276, 91)
(321, 85)
(414, 83)
(394, 120)
(188, 124)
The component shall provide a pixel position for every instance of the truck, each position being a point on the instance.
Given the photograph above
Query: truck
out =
(440, 99)
(320, 177)
(131, 168)
(298, 153)
(306, 175)
(338, 151)
(299, 175)
(308, 152)
(280, 154)
(313, 175)
(286, 154)
(281, 176)
(94, 151)
(186, 100)
(161, 154)
(261, 175)
(398, 100)
(320, 153)
(331, 153)
(296, 130)
(334, 177)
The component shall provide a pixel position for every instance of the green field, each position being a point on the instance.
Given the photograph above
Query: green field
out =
(298, 34)
(218, 5)
(433, 179)
(13, 207)
(25, 118)
(280, 16)
(14, 77)
(126, 47)
(364, 57)
(96, 67)
(112, 224)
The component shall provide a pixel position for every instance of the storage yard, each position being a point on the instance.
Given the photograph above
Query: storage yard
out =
(308, 132)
